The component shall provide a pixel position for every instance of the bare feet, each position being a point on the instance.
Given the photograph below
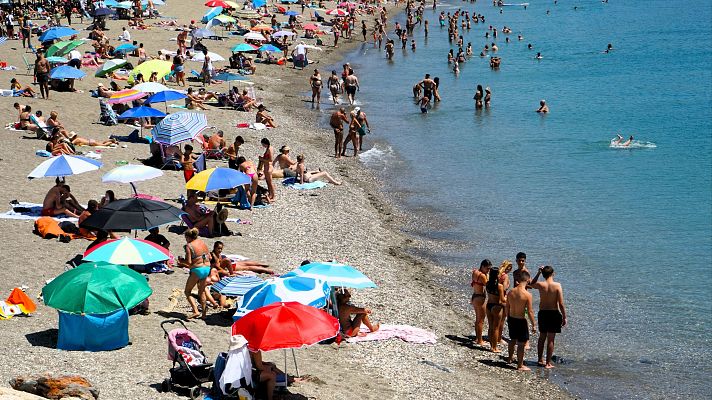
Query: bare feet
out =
(481, 343)
(193, 315)
(376, 327)
(523, 368)
(540, 363)
(549, 366)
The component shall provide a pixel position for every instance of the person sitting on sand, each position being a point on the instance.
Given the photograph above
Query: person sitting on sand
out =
(58, 146)
(351, 327)
(103, 92)
(246, 101)
(25, 122)
(155, 236)
(519, 303)
(304, 176)
(53, 203)
(198, 215)
(543, 108)
(287, 166)
(92, 206)
(264, 118)
(193, 101)
(19, 90)
(267, 373)
(198, 261)
(217, 142)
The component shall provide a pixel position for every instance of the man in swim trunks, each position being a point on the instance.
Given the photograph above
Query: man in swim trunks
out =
(552, 313)
(53, 203)
(336, 121)
(351, 86)
(42, 74)
(519, 303)
(428, 86)
(543, 108)
(521, 260)
(364, 126)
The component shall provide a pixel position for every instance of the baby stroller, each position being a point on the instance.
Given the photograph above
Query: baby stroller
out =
(190, 366)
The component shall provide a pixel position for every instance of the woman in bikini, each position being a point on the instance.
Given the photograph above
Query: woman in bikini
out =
(248, 167)
(316, 85)
(304, 176)
(495, 307)
(479, 280)
(197, 259)
(25, 122)
(226, 267)
(503, 278)
(266, 163)
(334, 86)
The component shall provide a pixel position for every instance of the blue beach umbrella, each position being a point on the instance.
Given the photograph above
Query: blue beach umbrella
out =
(56, 33)
(229, 76)
(125, 48)
(110, 3)
(64, 165)
(164, 96)
(141, 112)
(179, 127)
(307, 291)
(102, 12)
(126, 5)
(203, 33)
(66, 72)
(334, 274)
(212, 13)
(234, 286)
(259, 3)
(291, 13)
(243, 47)
(57, 60)
(216, 179)
(269, 48)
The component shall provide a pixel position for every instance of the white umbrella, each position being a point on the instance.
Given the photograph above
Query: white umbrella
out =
(255, 36)
(131, 173)
(213, 57)
(150, 87)
(283, 33)
(64, 165)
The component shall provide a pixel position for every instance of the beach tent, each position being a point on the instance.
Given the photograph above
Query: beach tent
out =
(93, 332)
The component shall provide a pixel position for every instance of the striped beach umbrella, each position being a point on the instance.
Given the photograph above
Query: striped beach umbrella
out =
(338, 12)
(125, 96)
(307, 291)
(64, 165)
(234, 286)
(216, 179)
(127, 251)
(179, 127)
(334, 274)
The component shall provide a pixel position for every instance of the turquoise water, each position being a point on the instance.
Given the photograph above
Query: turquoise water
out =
(629, 232)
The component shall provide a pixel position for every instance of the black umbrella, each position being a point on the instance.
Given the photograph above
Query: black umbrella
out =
(130, 214)
(101, 12)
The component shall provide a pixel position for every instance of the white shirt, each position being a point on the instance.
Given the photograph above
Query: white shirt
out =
(125, 35)
(75, 55)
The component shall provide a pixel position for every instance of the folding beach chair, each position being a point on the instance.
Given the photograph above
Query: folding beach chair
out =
(43, 132)
(30, 67)
(169, 160)
(107, 116)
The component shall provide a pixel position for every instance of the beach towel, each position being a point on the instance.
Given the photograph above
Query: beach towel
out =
(21, 300)
(406, 333)
(48, 228)
(292, 182)
(30, 211)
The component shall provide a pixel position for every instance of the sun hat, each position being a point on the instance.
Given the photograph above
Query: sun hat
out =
(237, 342)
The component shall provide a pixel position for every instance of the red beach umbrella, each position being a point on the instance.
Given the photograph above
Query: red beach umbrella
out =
(216, 3)
(285, 326)
(310, 27)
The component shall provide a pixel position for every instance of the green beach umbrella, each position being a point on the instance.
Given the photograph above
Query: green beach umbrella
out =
(96, 288)
(63, 48)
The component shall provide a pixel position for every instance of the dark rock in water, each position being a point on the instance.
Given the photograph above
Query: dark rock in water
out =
(56, 387)
(560, 360)
(647, 361)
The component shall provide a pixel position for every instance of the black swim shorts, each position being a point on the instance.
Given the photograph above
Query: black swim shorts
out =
(43, 77)
(549, 321)
(518, 329)
(350, 89)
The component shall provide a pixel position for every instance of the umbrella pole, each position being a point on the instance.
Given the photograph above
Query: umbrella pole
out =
(133, 187)
(296, 368)
(286, 375)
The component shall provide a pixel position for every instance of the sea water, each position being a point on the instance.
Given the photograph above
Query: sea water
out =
(628, 230)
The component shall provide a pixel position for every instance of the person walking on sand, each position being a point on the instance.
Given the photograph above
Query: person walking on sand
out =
(316, 85)
(552, 313)
(197, 260)
(334, 86)
(519, 302)
(337, 120)
(351, 86)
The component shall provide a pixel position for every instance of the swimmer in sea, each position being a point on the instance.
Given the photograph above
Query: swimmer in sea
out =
(609, 48)
(529, 46)
(617, 141)
(538, 56)
(424, 102)
(543, 108)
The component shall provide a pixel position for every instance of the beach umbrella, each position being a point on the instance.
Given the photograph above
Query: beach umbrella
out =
(307, 291)
(131, 173)
(334, 274)
(203, 33)
(216, 179)
(213, 57)
(150, 87)
(225, 19)
(127, 251)
(284, 326)
(310, 27)
(254, 36)
(261, 28)
(243, 47)
(229, 77)
(56, 33)
(64, 165)
(102, 12)
(134, 213)
(161, 67)
(283, 33)
(216, 3)
(125, 96)
(232, 4)
(109, 66)
(141, 112)
(126, 5)
(125, 48)
(233, 286)
(212, 13)
(179, 127)
(63, 48)
(269, 48)
(291, 13)
(66, 72)
(338, 12)
(110, 3)
(57, 60)
(164, 96)
(96, 288)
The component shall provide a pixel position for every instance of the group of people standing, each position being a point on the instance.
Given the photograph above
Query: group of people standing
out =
(497, 298)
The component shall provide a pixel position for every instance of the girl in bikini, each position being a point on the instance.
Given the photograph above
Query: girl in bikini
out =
(479, 280)
(266, 161)
(503, 278)
(495, 307)
(197, 259)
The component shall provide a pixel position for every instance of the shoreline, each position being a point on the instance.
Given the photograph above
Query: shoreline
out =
(356, 223)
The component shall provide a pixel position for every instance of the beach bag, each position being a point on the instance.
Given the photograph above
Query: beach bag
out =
(48, 228)
(69, 227)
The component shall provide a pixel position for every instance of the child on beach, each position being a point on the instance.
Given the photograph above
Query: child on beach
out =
(552, 313)
(351, 327)
(519, 302)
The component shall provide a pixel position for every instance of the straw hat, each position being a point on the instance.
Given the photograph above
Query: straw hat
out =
(237, 342)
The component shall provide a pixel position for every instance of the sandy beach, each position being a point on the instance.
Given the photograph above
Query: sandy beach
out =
(354, 223)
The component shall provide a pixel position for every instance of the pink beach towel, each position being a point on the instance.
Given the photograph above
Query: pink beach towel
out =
(406, 333)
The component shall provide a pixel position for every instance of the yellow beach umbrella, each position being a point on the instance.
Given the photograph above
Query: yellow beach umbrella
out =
(225, 19)
(216, 179)
(232, 5)
(161, 67)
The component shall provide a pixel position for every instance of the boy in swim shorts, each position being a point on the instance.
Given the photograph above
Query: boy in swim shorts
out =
(519, 303)
(552, 313)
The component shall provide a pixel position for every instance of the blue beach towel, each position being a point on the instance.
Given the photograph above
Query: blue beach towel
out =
(292, 182)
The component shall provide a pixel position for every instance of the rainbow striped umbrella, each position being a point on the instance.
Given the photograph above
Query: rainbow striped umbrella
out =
(216, 179)
(179, 127)
(124, 96)
(127, 251)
